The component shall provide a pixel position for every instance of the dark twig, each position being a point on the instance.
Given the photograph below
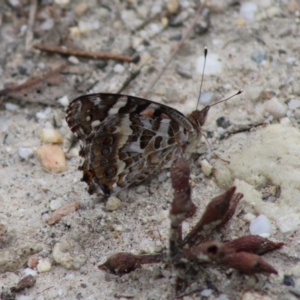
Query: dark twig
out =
(130, 78)
(182, 41)
(83, 53)
(32, 83)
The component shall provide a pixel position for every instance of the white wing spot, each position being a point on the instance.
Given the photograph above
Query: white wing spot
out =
(97, 101)
(95, 123)
(88, 118)
(123, 98)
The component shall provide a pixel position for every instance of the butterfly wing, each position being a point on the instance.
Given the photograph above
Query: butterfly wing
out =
(125, 139)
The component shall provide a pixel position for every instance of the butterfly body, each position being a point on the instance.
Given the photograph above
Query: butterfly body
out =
(126, 139)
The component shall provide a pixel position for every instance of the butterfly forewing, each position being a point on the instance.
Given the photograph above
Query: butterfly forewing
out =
(125, 139)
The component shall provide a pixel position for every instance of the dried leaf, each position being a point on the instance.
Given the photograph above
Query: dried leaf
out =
(62, 212)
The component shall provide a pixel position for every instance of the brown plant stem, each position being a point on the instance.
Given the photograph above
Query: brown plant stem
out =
(83, 53)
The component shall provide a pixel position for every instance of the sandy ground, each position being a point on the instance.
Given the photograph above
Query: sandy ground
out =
(141, 224)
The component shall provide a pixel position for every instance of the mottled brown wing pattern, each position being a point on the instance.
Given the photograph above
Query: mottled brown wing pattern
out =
(125, 139)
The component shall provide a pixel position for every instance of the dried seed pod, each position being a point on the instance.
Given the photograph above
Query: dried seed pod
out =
(124, 262)
(213, 216)
(253, 244)
(247, 263)
(24, 283)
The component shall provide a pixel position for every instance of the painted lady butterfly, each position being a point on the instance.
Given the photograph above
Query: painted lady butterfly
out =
(125, 139)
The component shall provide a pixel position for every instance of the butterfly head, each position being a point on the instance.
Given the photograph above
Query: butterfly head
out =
(198, 117)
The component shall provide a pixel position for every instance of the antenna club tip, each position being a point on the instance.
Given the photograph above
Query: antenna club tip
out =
(205, 51)
(240, 91)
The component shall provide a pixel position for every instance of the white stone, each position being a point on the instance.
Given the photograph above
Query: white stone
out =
(11, 106)
(55, 204)
(213, 64)
(248, 10)
(249, 217)
(62, 3)
(289, 222)
(206, 167)
(25, 153)
(273, 11)
(261, 226)
(64, 101)
(44, 265)
(294, 104)
(51, 136)
(113, 203)
(29, 271)
(73, 60)
(206, 292)
(118, 68)
(275, 108)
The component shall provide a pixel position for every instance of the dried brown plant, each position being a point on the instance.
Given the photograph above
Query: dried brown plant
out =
(187, 255)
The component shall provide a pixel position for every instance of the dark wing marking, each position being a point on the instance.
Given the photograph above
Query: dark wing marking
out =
(85, 114)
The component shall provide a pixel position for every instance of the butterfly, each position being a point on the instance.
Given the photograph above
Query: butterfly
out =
(126, 139)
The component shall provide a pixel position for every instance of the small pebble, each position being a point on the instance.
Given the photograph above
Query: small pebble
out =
(25, 153)
(11, 106)
(288, 280)
(81, 8)
(273, 11)
(275, 108)
(119, 228)
(73, 60)
(259, 55)
(62, 3)
(85, 27)
(248, 10)
(223, 122)
(118, 68)
(55, 204)
(294, 104)
(173, 6)
(52, 158)
(183, 71)
(206, 293)
(113, 203)
(288, 223)
(44, 265)
(69, 254)
(206, 167)
(261, 226)
(249, 217)
(162, 176)
(64, 101)
(51, 136)
(141, 189)
(29, 271)
(32, 262)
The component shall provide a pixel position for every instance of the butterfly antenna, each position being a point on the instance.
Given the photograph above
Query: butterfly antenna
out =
(224, 100)
(205, 54)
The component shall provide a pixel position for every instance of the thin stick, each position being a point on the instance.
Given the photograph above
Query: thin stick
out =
(82, 53)
(185, 36)
(31, 21)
